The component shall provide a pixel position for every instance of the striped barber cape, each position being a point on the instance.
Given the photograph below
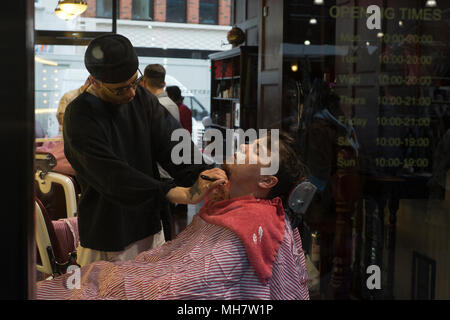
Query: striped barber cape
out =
(205, 261)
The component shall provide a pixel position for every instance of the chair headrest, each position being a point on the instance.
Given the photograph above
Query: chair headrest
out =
(301, 196)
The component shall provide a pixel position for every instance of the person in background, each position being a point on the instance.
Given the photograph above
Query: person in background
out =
(115, 133)
(56, 148)
(66, 99)
(174, 93)
(179, 212)
(154, 81)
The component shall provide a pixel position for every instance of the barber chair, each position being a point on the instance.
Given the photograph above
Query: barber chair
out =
(298, 202)
(56, 242)
(57, 192)
(56, 223)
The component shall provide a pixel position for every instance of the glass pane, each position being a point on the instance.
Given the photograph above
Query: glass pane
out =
(208, 11)
(368, 96)
(142, 9)
(192, 76)
(198, 110)
(46, 18)
(104, 8)
(157, 34)
(58, 69)
(176, 11)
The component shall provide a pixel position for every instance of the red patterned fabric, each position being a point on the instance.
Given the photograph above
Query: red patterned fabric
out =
(205, 261)
(258, 223)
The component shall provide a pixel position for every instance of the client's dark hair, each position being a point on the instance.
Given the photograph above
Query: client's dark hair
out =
(174, 93)
(291, 168)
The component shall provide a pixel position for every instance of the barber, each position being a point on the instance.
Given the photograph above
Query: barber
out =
(114, 134)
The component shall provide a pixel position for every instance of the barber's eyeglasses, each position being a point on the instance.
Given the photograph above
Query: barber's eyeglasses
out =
(122, 90)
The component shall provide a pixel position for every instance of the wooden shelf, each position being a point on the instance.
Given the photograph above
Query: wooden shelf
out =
(234, 75)
(228, 78)
(226, 99)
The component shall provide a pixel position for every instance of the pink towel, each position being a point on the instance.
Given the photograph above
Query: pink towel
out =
(258, 223)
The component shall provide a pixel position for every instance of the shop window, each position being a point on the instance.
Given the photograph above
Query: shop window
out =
(58, 69)
(45, 18)
(208, 11)
(176, 11)
(388, 84)
(105, 8)
(142, 10)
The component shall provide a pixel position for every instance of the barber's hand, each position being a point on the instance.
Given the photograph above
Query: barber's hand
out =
(202, 187)
(220, 193)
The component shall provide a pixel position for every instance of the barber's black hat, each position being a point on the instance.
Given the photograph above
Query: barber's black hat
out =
(111, 58)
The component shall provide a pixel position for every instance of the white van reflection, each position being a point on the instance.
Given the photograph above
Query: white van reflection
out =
(73, 78)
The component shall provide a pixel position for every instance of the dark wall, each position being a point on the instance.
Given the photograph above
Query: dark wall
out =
(17, 247)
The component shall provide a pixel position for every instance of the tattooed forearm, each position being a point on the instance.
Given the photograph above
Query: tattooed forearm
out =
(195, 189)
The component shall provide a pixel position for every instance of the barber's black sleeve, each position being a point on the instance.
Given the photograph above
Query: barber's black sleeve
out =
(88, 150)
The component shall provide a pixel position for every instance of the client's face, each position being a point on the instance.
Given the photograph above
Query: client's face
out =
(247, 164)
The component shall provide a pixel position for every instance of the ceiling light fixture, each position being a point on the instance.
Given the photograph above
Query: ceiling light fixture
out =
(431, 3)
(318, 2)
(45, 61)
(75, 7)
(69, 9)
(313, 21)
(63, 15)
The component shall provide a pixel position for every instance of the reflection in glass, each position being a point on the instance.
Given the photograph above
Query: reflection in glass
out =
(176, 11)
(371, 110)
(142, 9)
(208, 11)
(105, 8)
(58, 69)
(46, 18)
